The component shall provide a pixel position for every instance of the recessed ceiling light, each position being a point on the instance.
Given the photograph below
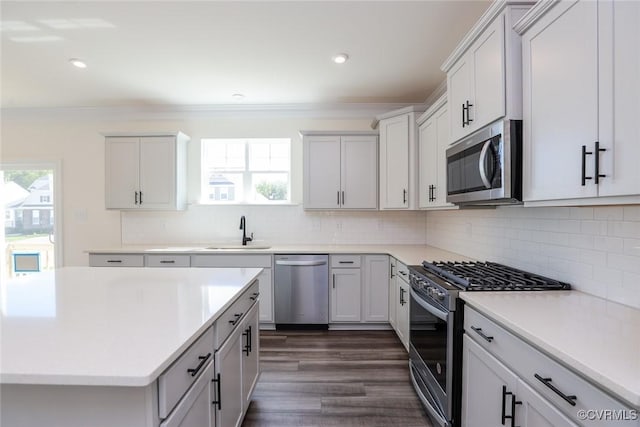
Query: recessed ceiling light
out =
(340, 58)
(237, 96)
(78, 63)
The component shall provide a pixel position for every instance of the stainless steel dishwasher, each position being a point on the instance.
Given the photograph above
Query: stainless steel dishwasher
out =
(301, 291)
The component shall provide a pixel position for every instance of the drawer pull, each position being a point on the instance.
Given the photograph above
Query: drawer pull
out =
(114, 261)
(203, 359)
(571, 400)
(482, 334)
(404, 273)
(218, 401)
(345, 262)
(237, 318)
(167, 261)
(254, 296)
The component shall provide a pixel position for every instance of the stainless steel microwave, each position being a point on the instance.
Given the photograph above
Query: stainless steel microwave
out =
(486, 167)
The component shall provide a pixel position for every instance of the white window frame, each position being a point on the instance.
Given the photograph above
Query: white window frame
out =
(246, 173)
(56, 167)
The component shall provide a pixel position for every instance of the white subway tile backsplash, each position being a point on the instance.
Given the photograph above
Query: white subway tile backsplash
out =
(596, 249)
(609, 213)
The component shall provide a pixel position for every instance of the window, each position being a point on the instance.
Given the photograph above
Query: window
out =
(35, 217)
(45, 199)
(247, 170)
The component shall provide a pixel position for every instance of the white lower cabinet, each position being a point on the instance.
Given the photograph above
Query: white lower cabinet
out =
(375, 291)
(486, 383)
(393, 298)
(402, 288)
(359, 289)
(250, 355)
(195, 409)
(227, 383)
(493, 395)
(507, 381)
(346, 289)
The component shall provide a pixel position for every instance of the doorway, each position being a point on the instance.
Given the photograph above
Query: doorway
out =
(28, 201)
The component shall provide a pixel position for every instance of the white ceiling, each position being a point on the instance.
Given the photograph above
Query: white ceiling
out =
(177, 53)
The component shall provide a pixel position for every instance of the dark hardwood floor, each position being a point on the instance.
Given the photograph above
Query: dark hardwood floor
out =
(333, 378)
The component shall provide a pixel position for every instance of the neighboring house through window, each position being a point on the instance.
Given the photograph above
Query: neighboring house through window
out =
(246, 170)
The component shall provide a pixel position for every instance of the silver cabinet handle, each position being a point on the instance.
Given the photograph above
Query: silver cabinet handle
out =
(300, 263)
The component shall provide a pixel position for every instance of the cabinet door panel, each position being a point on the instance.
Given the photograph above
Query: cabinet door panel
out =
(440, 190)
(394, 163)
(489, 76)
(376, 288)
(402, 311)
(393, 293)
(122, 164)
(458, 93)
(345, 295)
(322, 172)
(534, 411)
(266, 296)
(560, 101)
(620, 97)
(251, 349)
(157, 172)
(229, 365)
(195, 410)
(483, 379)
(359, 177)
(428, 152)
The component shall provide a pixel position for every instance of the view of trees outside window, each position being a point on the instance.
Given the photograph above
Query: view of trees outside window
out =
(27, 200)
(246, 170)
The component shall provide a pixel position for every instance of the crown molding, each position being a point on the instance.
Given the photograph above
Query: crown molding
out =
(433, 108)
(496, 8)
(533, 15)
(310, 110)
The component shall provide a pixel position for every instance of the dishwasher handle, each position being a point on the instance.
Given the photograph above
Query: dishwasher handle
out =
(300, 263)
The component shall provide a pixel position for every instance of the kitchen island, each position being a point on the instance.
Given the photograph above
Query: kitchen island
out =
(89, 346)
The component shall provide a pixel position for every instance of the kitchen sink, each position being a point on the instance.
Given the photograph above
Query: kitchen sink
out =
(236, 247)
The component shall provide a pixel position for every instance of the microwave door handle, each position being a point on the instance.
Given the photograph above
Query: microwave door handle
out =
(482, 162)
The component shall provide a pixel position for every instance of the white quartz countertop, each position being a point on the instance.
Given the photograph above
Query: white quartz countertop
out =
(108, 326)
(596, 338)
(408, 254)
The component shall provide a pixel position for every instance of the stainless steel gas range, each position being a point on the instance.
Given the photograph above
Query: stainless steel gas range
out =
(436, 326)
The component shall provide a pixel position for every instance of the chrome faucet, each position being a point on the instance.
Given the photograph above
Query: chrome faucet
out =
(243, 227)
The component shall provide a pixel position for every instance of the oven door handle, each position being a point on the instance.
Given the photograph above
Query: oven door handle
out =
(481, 165)
(442, 315)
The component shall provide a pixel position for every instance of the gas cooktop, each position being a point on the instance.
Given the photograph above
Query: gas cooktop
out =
(490, 276)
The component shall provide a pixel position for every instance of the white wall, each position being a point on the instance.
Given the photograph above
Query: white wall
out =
(596, 250)
(74, 137)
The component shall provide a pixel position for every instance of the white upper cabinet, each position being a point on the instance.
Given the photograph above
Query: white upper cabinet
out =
(581, 100)
(398, 159)
(433, 139)
(145, 171)
(340, 171)
(484, 73)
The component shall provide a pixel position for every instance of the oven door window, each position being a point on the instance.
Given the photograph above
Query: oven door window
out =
(428, 335)
(475, 169)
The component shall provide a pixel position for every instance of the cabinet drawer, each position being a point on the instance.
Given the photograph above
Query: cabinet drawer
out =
(215, 260)
(403, 271)
(195, 408)
(565, 389)
(234, 314)
(345, 261)
(168, 261)
(116, 260)
(176, 380)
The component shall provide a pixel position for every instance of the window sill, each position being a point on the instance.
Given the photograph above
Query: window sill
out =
(244, 204)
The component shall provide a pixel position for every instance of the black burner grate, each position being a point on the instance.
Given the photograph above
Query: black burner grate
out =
(490, 276)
